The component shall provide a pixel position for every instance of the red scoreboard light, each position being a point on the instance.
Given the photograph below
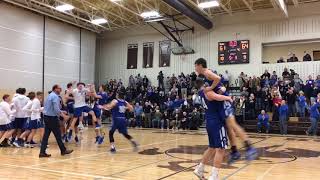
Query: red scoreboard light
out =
(233, 52)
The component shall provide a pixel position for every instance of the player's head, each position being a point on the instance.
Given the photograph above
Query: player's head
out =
(102, 88)
(31, 95)
(80, 85)
(200, 81)
(199, 65)
(40, 95)
(6, 98)
(69, 85)
(120, 94)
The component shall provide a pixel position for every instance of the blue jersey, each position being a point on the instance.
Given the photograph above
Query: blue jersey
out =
(104, 98)
(209, 83)
(118, 112)
(213, 109)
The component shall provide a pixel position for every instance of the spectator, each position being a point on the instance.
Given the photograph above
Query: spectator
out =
(266, 96)
(184, 121)
(263, 121)
(241, 80)
(302, 104)
(138, 110)
(259, 98)
(276, 104)
(285, 74)
(160, 79)
(306, 56)
(147, 113)
(273, 78)
(251, 107)
(281, 60)
(309, 87)
(293, 58)
(195, 120)
(265, 74)
(145, 82)
(291, 98)
(157, 118)
(227, 77)
(132, 82)
(317, 81)
(314, 118)
(297, 83)
(165, 119)
(283, 117)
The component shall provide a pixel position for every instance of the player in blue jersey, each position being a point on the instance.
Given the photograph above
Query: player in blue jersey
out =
(101, 100)
(233, 127)
(215, 125)
(118, 108)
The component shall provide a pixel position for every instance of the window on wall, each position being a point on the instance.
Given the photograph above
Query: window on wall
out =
(132, 57)
(164, 53)
(148, 49)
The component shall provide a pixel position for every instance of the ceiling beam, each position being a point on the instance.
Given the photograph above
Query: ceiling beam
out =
(249, 6)
(229, 11)
(274, 4)
(125, 8)
(296, 3)
(196, 6)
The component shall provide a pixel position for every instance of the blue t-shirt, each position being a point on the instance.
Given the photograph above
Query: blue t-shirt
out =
(283, 110)
(118, 112)
(213, 109)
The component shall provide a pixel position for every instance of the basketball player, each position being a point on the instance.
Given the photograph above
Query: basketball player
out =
(68, 97)
(214, 83)
(101, 99)
(80, 107)
(6, 126)
(118, 108)
(215, 125)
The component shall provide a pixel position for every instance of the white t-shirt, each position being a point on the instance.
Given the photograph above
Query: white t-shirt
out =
(5, 113)
(79, 97)
(27, 108)
(19, 101)
(36, 109)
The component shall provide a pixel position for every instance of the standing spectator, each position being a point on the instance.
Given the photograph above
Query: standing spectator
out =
(138, 110)
(314, 94)
(51, 120)
(184, 88)
(283, 117)
(184, 121)
(139, 80)
(297, 83)
(291, 98)
(147, 113)
(241, 80)
(273, 78)
(195, 120)
(132, 83)
(266, 96)
(302, 104)
(145, 81)
(309, 87)
(165, 120)
(276, 104)
(259, 100)
(251, 106)
(160, 80)
(306, 56)
(314, 118)
(285, 74)
(157, 118)
(266, 74)
(263, 120)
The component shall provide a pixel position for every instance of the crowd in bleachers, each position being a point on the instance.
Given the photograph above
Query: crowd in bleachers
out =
(173, 101)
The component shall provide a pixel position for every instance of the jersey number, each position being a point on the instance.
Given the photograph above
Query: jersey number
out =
(122, 109)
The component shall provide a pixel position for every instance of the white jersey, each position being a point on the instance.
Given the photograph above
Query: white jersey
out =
(36, 109)
(27, 109)
(79, 97)
(5, 113)
(19, 101)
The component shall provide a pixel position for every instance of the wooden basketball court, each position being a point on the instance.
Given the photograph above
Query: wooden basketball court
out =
(163, 155)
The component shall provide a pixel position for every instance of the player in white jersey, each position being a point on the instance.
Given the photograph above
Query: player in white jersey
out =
(6, 125)
(80, 107)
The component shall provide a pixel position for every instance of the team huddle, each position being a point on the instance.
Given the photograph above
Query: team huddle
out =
(21, 118)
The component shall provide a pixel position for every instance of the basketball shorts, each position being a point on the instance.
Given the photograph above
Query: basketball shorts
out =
(120, 125)
(78, 111)
(32, 124)
(19, 123)
(97, 111)
(217, 134)
(6, 127)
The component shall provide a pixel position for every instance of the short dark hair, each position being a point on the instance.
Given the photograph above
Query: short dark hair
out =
(69, 85)
(54, 87)
(201, 62)
(104, 87)
(121, 94)
(39, 93)
(31, 95)
(199, 81)
(80, 83)
(4, 97)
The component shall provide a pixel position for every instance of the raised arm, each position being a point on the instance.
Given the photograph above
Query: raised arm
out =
(112, 104)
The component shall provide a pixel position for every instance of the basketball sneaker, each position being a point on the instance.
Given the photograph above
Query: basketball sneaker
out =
(113, 150)
(98, 126)
(214, 174)
(198, 171)
(251, 154)
(135, 146)
(234, 156)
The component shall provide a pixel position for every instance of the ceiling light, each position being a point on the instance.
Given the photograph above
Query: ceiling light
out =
(99, 21)
(150, 14)
(115, 0)
(283, 6)
(155, 19)
(208, 4)
(64, 7)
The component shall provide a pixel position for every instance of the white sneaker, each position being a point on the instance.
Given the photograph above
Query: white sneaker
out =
(214, 174)
(199, 172)
(80, 126)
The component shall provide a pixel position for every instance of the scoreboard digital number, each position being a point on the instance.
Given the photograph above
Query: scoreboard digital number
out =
(233, 52)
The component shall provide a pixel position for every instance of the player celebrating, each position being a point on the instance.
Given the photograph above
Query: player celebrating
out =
(215, 125)
(233, 128)
(118, 108)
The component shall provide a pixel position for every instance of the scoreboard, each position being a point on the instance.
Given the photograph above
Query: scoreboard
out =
(233, 52)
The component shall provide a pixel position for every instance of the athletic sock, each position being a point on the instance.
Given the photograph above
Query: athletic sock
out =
(247, 144)
(214, 172)
(234, 149)
(201, 166)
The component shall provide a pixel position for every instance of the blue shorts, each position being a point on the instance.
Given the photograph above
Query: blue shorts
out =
(97, 111)
(40, 123)
(217, 134)
(78, 111)
(228, 109)
(70, 108)
(6, 127)
(120, 125)
(19, 123)
(32, 124)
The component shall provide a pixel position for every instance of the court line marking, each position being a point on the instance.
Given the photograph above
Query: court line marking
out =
(62, 172)
(92, 155)
(261, 177)
(187, 168)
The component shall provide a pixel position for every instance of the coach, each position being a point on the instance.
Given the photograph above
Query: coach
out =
(51, 119)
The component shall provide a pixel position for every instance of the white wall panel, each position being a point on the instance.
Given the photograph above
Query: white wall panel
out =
(88, 50)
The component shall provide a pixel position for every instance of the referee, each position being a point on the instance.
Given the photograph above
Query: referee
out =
(51, 120)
